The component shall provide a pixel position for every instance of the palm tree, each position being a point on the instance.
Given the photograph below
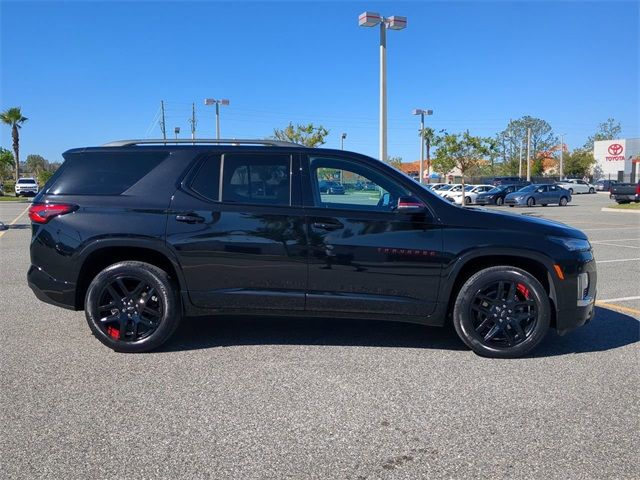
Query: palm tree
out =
(13, 117)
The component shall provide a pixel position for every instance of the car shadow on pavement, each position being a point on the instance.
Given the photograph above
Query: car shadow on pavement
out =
(608, 330)
(209, 332)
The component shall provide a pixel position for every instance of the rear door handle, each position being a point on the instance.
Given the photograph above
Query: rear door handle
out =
(189, 218)
(327, 225)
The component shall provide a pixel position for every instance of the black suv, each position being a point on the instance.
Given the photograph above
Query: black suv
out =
(142, 233)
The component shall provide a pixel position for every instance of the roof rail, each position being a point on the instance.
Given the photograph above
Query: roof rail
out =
(235, 141)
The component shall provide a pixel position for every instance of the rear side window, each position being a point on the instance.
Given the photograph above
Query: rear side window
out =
(104, 173)
(257, 179)
(207, 180)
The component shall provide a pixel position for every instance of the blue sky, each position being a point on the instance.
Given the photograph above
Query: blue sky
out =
(89, 72)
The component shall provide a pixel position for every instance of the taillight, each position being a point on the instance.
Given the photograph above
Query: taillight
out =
(43, 212)
(638, 189)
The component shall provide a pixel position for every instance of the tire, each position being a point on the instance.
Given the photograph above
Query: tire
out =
(489, 325)
(571, 191)
(545, 204)
(108, 312)
(467, 200)
(531, 202)
(563, 201)
(592, 190)
(499, 201)
(511, 206)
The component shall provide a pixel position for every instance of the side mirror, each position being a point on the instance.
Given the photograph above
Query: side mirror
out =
(410, 205)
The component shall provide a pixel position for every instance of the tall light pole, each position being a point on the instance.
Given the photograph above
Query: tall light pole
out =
(217, 103)
(371, 19)
(528, 154)
(176, 131)
(422, 113)
(520, 161)
(561, 155)
(342, 137)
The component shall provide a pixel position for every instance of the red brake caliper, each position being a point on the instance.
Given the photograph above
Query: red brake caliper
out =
(524, 291)
(113, 332)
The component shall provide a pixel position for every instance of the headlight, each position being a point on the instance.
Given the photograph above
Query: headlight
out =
(572, 244)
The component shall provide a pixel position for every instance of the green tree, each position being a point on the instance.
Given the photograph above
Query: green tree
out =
(14, 118)
(431, 139)
(464, 151)
(542, 138)
(308, 135)
(578, 162)
(43, 176)
(6, 163)
(395, 162)
(608, 130)
(36, 164)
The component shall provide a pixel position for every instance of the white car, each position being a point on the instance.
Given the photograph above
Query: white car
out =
(470, 193)
(26, 186)
(577, 186)
(449, 188)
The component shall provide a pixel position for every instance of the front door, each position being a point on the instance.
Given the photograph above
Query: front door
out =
(364, 256)
(238, 229)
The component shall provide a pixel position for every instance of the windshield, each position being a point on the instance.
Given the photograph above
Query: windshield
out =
(528, 188)
(496, 189)
(446, 187)
(26, 180)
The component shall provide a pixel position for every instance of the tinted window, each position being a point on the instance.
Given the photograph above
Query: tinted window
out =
(104, 173)
(257, 178)
(380, 192)
(26, 180)
(207, 180)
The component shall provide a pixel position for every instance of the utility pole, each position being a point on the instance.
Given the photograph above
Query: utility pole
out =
(561, 155)
(193, 121)
(520, 161)
(528, 154)
(162, 124)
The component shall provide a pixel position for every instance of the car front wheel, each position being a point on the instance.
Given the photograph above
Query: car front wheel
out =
(502, 312)
(132, 307)
(563, 201)
(499, 201)
(531, 202)
(592, 190)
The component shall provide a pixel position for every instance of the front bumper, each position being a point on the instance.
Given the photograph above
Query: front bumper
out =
(575, 304)
(49, 290)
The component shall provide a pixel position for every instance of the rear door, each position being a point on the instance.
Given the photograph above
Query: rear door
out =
(364, 257)
(237, 227)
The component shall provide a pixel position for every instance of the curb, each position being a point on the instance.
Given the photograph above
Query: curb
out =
(619, 210)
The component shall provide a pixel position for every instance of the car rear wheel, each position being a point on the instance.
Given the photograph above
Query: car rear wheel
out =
(499, 201)
(502, 312)
(563, 201)
(467, 200)
(132, 307)
(531, 202)
(592, 190)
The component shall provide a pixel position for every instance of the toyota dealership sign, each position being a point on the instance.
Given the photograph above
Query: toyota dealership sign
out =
(614, 156)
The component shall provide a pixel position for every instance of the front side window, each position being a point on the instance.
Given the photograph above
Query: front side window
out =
(257, 179)
(347, 184)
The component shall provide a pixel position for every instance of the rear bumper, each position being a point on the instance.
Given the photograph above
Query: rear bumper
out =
(625, 198)
(49, 290)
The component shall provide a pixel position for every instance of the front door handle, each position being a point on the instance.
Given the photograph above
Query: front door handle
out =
(327, 225)
(189, 218)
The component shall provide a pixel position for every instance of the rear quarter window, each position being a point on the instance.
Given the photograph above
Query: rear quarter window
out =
(104, 173)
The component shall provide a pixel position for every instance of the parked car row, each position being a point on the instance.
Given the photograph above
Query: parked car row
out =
(522, 193)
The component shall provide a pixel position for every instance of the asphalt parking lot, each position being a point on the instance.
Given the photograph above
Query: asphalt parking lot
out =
(274, 398)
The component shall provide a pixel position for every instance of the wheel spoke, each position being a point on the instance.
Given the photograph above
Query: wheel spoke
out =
(114, 295)
(150, 311)
(139, 289)
(109, 318)
(108, 306)
(485, 323)
(125, 291)
(492, 332)
(512, 291)
(515, 324)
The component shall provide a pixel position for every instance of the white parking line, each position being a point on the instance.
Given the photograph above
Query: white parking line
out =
(621, 299)
(616, 245)
(12, 222)
(616, 239)
(621, 260)
(600, 229)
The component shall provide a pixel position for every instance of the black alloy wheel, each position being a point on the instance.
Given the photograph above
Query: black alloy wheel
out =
(132, 307)
(502, 312)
